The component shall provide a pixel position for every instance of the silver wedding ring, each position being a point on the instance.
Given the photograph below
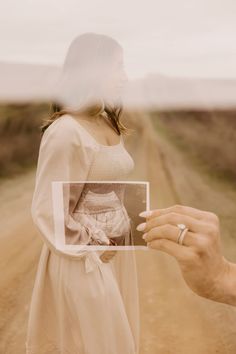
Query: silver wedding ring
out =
(182, 232)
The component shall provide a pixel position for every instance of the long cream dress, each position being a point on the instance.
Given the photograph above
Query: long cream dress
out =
(79, 304)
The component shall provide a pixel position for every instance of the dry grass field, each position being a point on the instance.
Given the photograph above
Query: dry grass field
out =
(208, 136)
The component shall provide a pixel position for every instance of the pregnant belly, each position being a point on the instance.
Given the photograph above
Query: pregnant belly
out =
(106, 212)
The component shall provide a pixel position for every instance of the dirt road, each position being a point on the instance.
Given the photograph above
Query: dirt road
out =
(174, 320)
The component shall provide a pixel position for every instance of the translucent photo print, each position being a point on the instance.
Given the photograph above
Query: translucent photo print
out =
(99, 215)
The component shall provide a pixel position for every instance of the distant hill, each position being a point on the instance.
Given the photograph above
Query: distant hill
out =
(165, 92)
(26, 82)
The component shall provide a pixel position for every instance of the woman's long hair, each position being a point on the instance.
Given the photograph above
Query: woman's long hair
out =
(87, 65)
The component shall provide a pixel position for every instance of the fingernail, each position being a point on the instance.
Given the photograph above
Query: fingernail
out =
(141, 227)
(144, 236)
(145, 214)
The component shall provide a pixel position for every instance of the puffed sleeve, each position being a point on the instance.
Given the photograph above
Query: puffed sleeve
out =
(63, 156)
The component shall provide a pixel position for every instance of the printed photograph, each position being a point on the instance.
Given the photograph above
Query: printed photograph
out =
(99, 215)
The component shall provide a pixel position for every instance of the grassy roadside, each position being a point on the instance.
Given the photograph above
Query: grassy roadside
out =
(221, 175)
(20, 137)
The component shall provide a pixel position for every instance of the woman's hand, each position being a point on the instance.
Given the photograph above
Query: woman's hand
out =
(106, 256)
(200, 258)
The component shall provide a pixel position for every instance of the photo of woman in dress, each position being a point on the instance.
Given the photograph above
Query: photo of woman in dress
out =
(83, 302)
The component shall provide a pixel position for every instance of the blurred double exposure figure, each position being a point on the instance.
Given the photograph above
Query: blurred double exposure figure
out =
(93, 76)
(84, 301)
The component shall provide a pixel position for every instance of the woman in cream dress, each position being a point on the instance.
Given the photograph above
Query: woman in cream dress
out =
(83, 302)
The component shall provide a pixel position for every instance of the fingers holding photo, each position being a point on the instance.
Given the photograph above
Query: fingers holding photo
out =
(184, 255)
(202, 226)
(168, 232)
(185, 210)
(174, 218)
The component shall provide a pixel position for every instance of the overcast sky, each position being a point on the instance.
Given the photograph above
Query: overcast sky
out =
(178, 37)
